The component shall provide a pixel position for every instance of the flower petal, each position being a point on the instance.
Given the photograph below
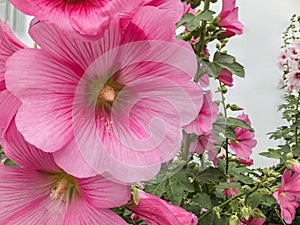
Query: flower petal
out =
(45, 88)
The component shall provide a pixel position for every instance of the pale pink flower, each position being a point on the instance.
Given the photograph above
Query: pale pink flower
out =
(293, 53)
(229, 18)
(226, 77)
(253, 221)
(288, 195)
(39, 192)
(244, 142)
(293, 79)
(207, 116)
(120, 102)
(156, 211)
(283, 59)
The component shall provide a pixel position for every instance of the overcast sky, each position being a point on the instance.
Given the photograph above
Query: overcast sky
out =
(257, 49)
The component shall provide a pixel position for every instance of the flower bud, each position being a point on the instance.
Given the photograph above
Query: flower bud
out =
(235, 107)
(289, 155)
(234, 220)
(246, 212)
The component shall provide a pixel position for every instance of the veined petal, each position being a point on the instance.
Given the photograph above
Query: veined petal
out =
(25, 154)
(46, 89)
(103, 193)
(25, 198)
(80, 212)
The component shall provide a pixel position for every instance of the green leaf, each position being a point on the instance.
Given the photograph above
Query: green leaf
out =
(210, 175)
(173, 184)
(234, 122)
(212, 219)
(272, 153)
(185, 19)
(203, 201)
(228, 62)
(255, 199)
(206, 15)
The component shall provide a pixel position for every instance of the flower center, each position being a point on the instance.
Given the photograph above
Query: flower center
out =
(65, 187)
(107, 93)
(297, 75)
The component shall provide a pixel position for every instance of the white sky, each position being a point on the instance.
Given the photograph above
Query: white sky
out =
(257, 49)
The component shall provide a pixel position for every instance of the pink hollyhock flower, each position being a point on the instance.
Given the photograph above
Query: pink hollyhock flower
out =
(226, 77)
(156, 211)
(293, 79)
(253, 221)
(205, 143)
(244, 142)
(39, 192)
(230, 192)
(288, 195)
(247, 162)
(9, 104)
(207, 116)
(296, 167)
(84, 17)
(119, 102)
(91, 18)
(283, 59)
(229, 18)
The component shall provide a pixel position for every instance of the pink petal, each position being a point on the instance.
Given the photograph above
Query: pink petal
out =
(53, 40)
(45, 88)
(69, 156)
(147, 24)
(25, 198)
(25, 154)
(9, 106)
(80, 212)
(111, 194)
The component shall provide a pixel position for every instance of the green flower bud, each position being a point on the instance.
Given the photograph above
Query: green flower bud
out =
(234, 220)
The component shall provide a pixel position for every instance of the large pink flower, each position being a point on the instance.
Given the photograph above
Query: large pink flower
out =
(156, 211)
(207, 116)
(288, 195)
(39, 192)
(229, 18)
(119, 102)
(244, 142)
(91, 17)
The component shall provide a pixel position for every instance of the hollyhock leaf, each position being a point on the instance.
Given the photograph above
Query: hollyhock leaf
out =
(211, 175)
(206, 15)
(230, 134)
(203, 200)
(212, 219)
(186, 18)
(174, 184)
(272, 153)
(228, 62)
(234, 122)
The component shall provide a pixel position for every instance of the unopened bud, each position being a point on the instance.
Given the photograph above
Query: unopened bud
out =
(289, 155)
(246, 212)
(234, 220)
(235, 107)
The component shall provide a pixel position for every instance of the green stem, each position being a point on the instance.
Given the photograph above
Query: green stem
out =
(296, 128)
(202, 35)
(225, 115)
